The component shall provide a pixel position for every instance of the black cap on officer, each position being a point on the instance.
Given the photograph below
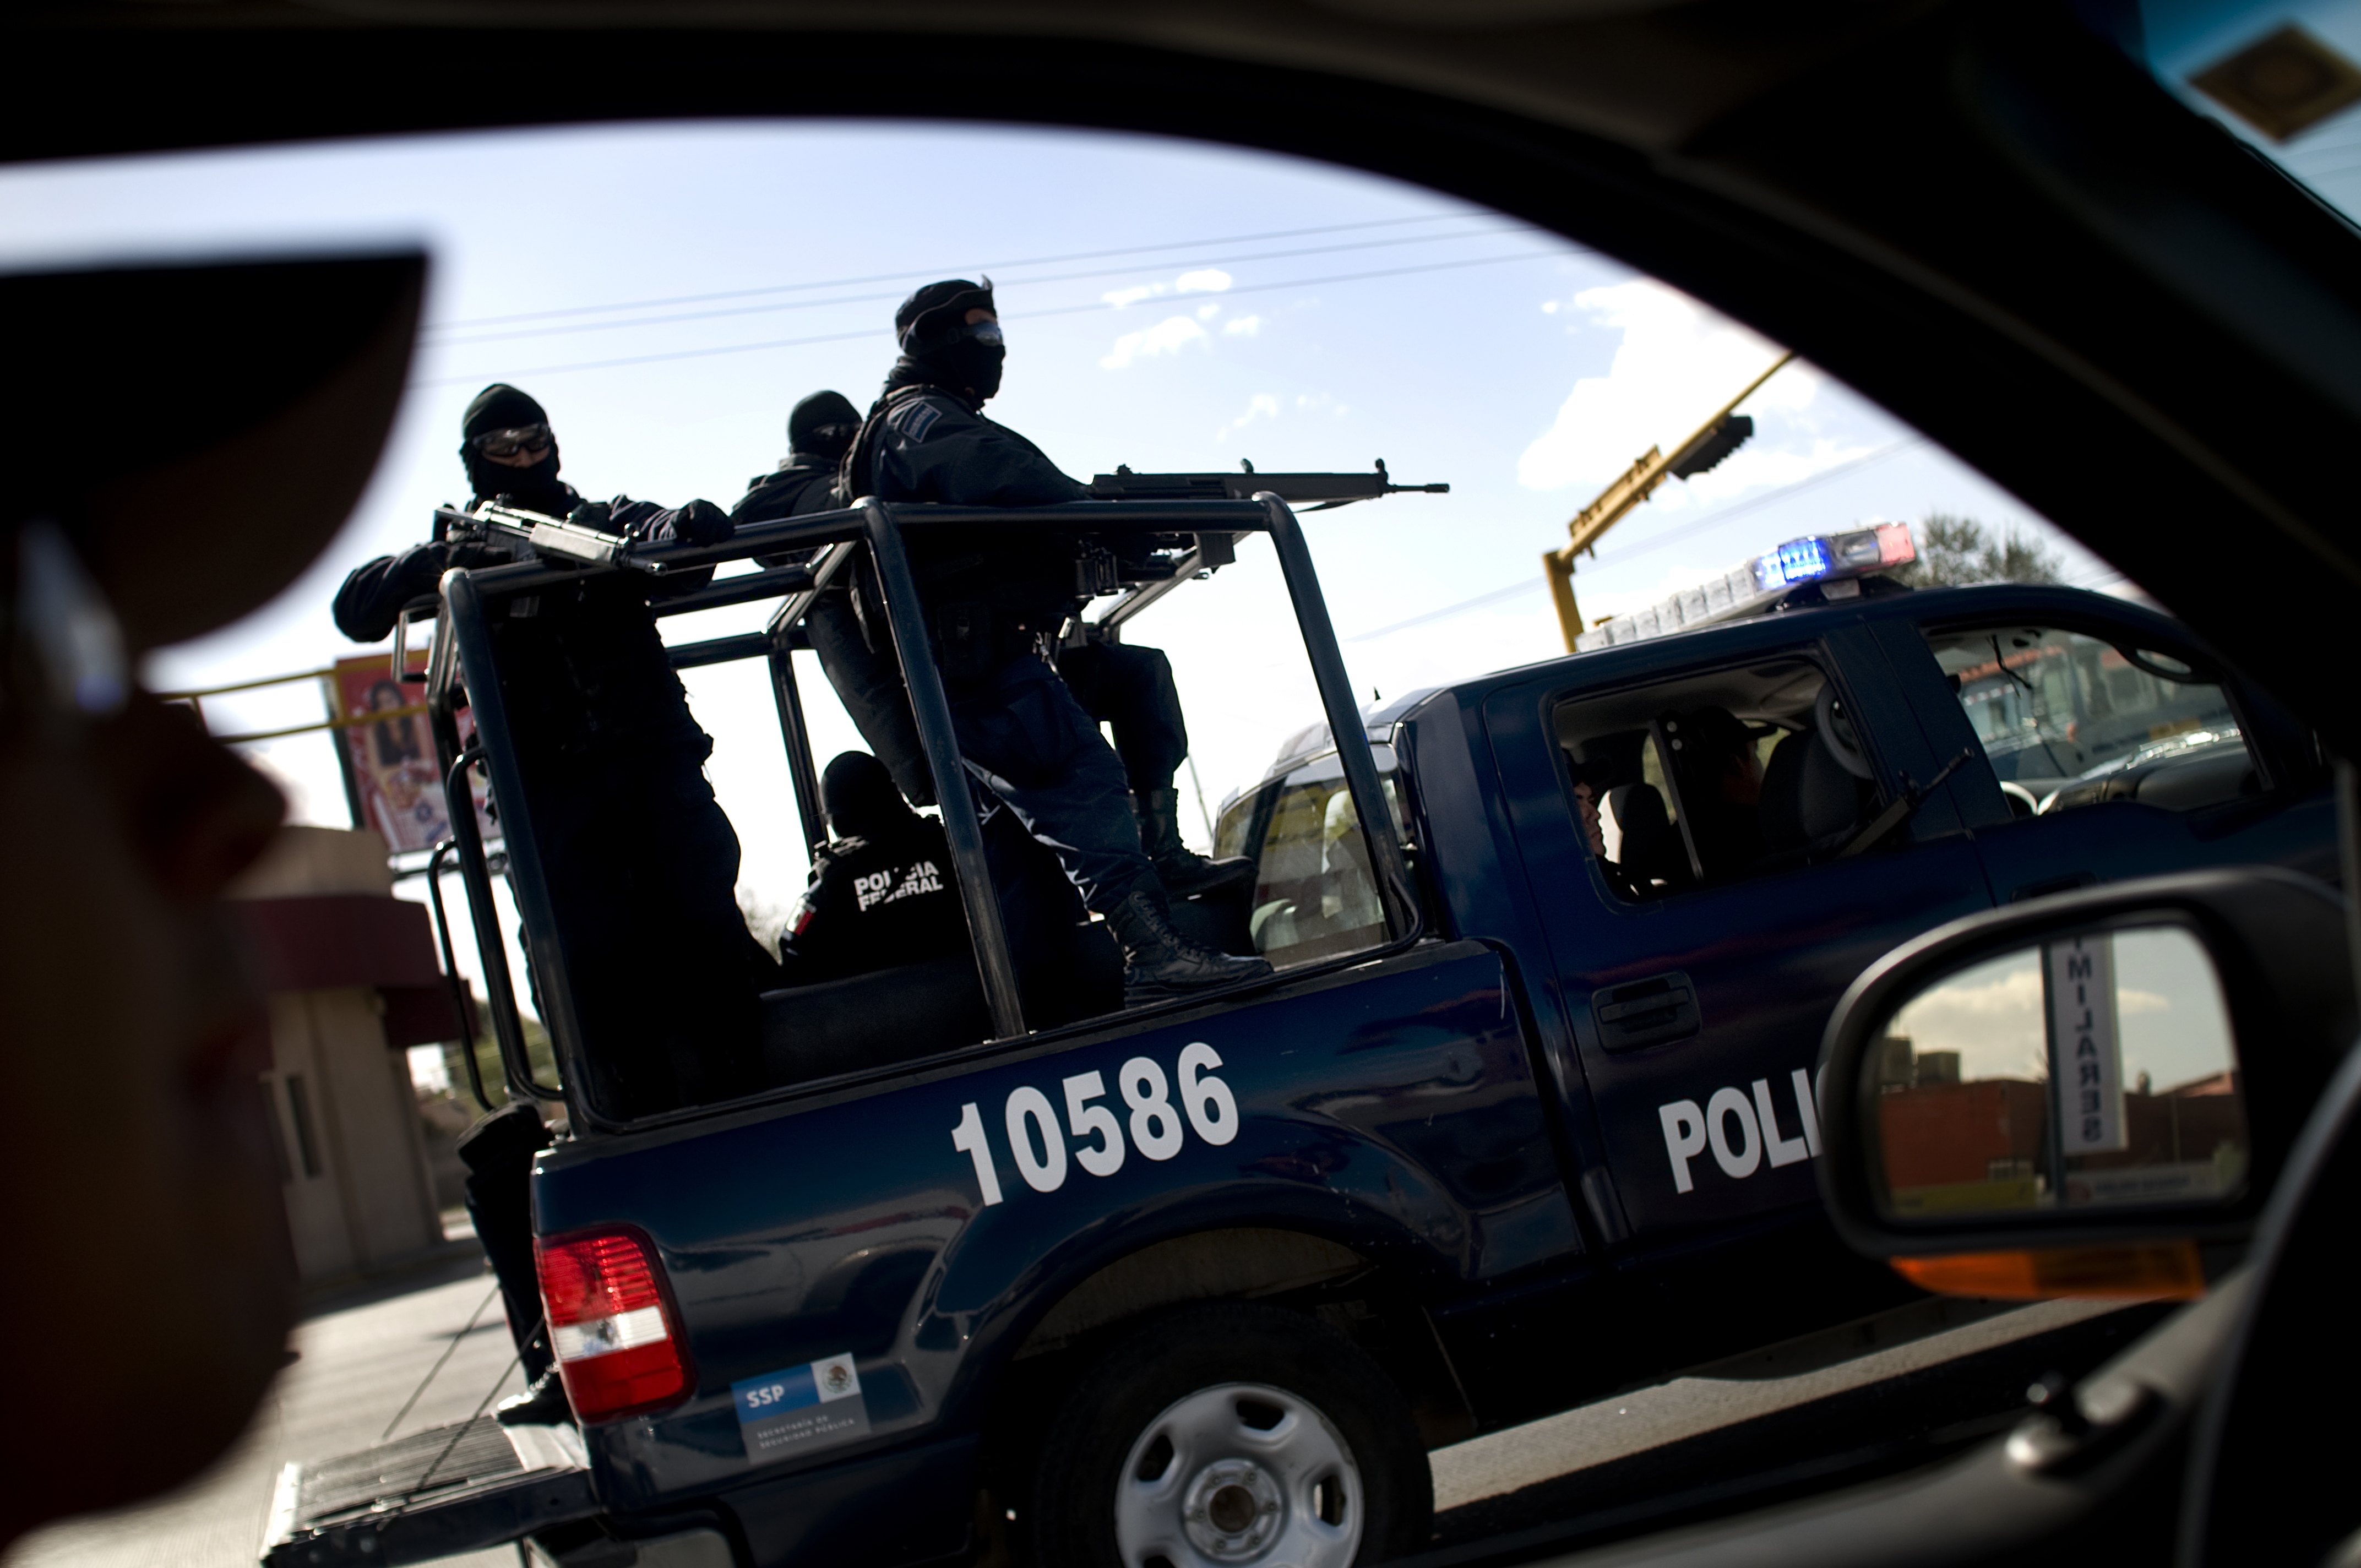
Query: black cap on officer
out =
(858, 796)
(820, 428)
(938, 340)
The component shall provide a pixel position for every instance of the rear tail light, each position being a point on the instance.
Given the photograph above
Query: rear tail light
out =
(616, 1336)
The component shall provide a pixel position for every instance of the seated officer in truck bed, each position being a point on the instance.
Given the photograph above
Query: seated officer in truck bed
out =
(881, 893)
(994, 599)
(883, 896)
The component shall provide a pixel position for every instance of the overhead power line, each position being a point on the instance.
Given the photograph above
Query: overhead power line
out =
(520, 372)
(465, 324)
(1214, 261)
(1481, 601)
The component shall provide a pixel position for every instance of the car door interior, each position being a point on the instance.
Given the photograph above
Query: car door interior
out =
(2208, 1438)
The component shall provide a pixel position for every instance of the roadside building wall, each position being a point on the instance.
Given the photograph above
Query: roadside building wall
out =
(352, 981)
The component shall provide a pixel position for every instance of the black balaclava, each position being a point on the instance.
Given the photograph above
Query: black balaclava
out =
(858, 796)
(501, 407)
(940, 348)
(820, 428)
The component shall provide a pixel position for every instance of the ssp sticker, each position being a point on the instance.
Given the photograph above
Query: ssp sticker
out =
(816, 1404)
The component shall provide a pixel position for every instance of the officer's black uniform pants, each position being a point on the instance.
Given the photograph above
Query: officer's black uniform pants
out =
(1130, 688)
(1024, 736)
(643, 869)
(1127, 687)
(869, 682)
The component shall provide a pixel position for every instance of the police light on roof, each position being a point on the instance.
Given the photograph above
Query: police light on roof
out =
(1895, 545)
(1801, 560)
(1762, 584)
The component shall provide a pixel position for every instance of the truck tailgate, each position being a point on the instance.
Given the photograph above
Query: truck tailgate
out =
(448, 1490)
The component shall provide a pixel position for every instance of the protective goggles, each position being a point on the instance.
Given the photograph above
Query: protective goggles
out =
(508, 443)
(947, 322)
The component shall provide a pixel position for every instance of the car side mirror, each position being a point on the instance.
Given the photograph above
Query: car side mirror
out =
(2088, 1094)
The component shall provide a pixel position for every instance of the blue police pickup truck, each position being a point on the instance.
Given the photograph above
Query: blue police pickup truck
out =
(1524, 1114)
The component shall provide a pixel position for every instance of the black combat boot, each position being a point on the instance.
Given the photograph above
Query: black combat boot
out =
(1184, 873)
(1158, 962)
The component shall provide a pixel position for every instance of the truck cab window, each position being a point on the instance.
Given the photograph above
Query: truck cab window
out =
(1715, 778)
(2067, 720)
(1315, 895)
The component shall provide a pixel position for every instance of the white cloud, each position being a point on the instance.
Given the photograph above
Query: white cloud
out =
(1242, 326)
(1168, 337)
(1678, 363)
(1203, 281)
(1208, 310)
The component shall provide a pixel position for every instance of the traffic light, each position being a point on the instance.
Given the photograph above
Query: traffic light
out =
(1725, 438)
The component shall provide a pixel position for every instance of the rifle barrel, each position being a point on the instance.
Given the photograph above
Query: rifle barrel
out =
(1246, 486)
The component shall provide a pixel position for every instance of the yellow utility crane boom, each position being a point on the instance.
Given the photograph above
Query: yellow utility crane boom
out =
(1714, 440)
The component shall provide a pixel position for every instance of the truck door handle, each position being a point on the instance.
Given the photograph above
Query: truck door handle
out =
(1646, 1011)
(2044, 888)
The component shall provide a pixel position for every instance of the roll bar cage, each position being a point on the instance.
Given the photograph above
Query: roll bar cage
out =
(463, 672)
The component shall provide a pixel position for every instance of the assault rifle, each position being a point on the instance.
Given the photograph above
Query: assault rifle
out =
(547, 536)
(1327, 489)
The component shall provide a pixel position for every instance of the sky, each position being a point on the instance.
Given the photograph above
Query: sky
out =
(2172, 1022)
(668, 292)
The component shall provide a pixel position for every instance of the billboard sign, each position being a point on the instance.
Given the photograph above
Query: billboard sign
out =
(391, 770)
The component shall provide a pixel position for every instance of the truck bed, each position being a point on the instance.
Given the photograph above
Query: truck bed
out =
(443, 1490)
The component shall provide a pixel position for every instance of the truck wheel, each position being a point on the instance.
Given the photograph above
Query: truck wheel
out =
(1229, 1434)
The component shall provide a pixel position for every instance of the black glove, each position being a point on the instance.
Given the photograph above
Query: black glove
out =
(470, 553)
(702, 523)
(596, 515)
(421, 568)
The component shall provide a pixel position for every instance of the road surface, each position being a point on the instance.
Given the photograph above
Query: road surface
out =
(1700, 1445)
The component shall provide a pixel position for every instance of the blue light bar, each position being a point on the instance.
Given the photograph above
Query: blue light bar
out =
(1802, 560)
(1758, 585)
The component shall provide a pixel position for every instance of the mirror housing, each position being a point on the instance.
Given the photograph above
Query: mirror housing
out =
(2278, 945)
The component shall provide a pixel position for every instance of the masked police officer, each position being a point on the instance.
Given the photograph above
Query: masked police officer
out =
(859, 662)
(993, 599)
(819, 428)
(643, 864)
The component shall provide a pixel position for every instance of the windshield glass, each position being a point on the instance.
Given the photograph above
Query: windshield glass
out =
(753, 921)
(669, 371)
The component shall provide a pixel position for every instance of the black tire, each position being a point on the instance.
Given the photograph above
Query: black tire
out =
(1186, 1353)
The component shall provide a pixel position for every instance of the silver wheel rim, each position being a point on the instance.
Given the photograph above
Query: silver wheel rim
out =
(1239, 1472)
